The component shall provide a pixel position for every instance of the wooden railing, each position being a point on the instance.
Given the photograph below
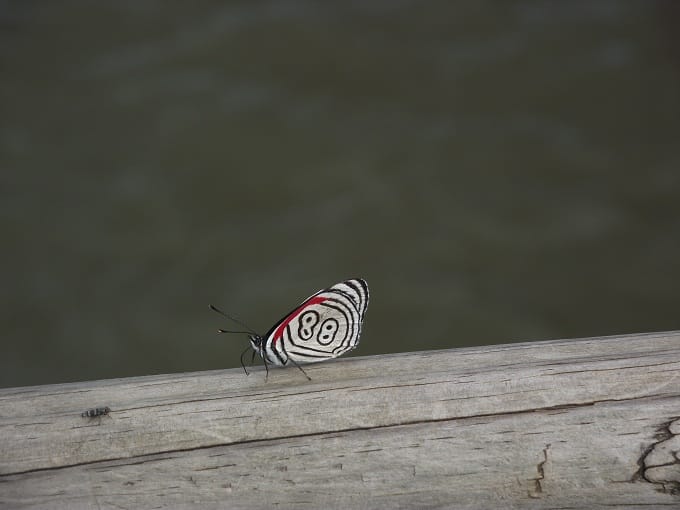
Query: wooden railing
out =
(576, 423)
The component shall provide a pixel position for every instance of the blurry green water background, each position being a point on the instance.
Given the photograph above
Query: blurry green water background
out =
(496, 171)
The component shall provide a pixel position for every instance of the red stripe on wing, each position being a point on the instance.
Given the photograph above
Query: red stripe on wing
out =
(279, 331)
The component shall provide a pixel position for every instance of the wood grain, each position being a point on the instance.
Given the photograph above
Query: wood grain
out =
(589, 423)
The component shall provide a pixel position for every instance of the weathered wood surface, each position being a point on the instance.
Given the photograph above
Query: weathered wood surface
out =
(590, 423)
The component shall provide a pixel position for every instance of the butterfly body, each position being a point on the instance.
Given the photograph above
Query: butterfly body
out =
(97, 412)
(324, 326)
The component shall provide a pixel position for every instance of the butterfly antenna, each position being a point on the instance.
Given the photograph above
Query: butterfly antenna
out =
(215, 309)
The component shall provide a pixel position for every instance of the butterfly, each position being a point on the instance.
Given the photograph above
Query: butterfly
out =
(324, 326)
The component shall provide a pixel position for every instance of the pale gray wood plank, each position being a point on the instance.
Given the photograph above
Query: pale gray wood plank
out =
(581, 457)
(599, 403)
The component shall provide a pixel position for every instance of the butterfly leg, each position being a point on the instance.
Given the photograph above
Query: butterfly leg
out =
(107, 415)
(266, 367)
(300, 368)
(242, 363)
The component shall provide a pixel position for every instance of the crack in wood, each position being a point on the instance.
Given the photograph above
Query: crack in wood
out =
(653, 472)
(408, 385)
(611, 369)
(540, 468)
(267, 396)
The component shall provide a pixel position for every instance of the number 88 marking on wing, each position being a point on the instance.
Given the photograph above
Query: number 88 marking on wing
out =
(327, 331)
(307, 322)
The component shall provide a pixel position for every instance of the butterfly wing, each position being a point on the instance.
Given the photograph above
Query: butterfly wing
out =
(324, 326)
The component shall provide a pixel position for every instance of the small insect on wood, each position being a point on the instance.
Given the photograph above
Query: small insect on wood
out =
(96, 412)
(325, 325)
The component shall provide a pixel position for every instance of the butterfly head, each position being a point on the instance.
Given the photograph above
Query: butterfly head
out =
(256, 342)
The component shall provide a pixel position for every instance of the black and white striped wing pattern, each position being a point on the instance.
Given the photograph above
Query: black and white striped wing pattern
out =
(325, 325)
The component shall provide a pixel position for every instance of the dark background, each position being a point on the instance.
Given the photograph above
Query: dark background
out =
(497, 171)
